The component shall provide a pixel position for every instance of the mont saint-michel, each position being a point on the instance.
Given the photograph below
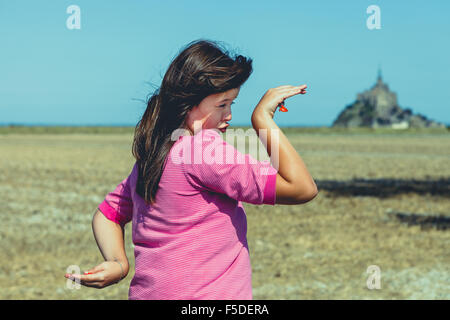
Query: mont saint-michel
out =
(378, 107)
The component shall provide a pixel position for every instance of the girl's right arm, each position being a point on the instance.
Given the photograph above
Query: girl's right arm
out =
(294, 184)
(110, 240)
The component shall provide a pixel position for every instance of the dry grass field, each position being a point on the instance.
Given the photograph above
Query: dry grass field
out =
(51, 184)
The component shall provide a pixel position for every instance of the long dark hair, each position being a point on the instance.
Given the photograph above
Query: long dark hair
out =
(202, 68)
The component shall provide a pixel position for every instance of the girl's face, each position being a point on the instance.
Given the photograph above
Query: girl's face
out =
(213, 112)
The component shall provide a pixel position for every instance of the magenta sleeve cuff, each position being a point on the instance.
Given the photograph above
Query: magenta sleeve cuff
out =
(110, 213)
(270, 189)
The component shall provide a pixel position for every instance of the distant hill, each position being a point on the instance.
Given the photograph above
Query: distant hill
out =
(377, 108)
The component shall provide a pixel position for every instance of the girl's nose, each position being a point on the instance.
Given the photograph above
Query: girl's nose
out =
(228, 118)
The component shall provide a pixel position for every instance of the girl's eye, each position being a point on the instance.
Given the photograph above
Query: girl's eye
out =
(223, 105)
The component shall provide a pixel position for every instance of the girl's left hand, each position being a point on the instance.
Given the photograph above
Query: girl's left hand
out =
(101, 276)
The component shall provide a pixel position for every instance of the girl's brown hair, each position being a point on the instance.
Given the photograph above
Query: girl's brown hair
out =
(202, 68)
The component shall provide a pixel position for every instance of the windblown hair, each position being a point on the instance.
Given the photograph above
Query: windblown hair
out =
(202, 68)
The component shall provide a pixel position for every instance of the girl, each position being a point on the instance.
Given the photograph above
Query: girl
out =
(188, 222)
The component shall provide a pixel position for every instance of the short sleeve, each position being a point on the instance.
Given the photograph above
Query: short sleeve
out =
(118, 205)
(225, 170)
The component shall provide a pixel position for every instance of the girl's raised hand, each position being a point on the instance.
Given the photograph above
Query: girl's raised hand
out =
(273, 97)
(101, 276)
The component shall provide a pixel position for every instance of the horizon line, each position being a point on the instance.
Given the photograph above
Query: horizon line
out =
(132, 125)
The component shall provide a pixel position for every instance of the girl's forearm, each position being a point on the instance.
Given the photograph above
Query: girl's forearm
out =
(110, 239)
(290, 165)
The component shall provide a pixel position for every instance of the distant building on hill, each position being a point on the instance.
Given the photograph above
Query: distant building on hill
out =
(377, 108)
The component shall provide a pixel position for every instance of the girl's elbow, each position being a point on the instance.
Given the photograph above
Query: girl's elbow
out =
(307, 194)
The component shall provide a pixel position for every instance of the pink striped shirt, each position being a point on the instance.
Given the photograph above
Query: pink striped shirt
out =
(192, 243)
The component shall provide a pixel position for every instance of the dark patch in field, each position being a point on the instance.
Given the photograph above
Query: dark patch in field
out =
(439, 222)
(384, 188)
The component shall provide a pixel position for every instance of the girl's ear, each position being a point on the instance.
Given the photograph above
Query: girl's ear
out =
(192, 110)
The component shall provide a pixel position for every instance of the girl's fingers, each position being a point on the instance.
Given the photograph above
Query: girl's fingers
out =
(289, 87)
(94, 281)
(87, 278)
(292, 92)
(284, 87)
(92, 284)
(294, 89)
(289, 92)
(76, 277)
(99, 276)
(95, 269)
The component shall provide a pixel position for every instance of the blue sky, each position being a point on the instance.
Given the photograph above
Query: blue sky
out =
(99, 74)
